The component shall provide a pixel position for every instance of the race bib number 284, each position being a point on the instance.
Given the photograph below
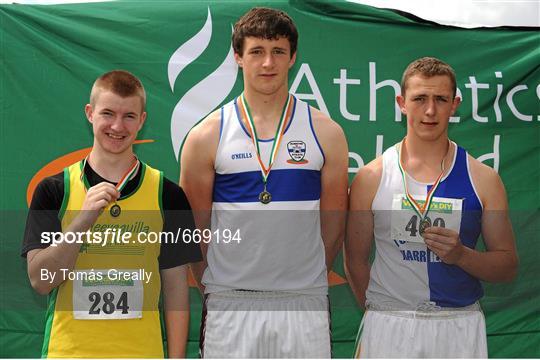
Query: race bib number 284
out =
(103, 298)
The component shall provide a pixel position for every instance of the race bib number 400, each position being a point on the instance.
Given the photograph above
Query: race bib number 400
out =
(406, 223)
(97, 296)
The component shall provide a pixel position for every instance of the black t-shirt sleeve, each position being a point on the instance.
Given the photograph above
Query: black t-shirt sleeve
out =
(177, 215)
(43, 214)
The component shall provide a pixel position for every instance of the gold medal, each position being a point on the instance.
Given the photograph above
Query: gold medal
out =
(265, 197)
(115, 210)
(421, 209)
(424, 224)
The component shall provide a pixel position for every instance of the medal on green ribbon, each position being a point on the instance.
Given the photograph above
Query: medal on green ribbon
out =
(420, 209)
(115, 210)
(265, 197)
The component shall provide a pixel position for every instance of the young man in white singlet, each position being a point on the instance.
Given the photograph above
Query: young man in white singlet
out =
(266, 294)
(425, 202)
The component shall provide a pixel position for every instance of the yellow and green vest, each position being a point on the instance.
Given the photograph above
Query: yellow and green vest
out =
(67, 336)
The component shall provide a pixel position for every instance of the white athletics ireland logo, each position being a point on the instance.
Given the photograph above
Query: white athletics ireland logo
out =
(205, 96)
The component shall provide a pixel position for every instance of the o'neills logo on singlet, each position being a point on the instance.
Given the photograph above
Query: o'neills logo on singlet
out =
(240, 156)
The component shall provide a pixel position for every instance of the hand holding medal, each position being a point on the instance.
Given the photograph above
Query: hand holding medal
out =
(130, 174)
(98, 197)
(421, 210)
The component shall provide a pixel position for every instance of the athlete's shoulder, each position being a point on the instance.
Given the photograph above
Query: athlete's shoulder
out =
(173, 196)
(365, 184)
(488, 184)
(329, 134)
(370, 174)
(325, 124)
(203, 139)
(49, 193)
(481, 172)
(207, 129)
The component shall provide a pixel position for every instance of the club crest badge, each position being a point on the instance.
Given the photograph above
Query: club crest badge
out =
(297, 152)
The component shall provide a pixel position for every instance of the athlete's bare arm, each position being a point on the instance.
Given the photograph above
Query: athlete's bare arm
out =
(334, 183)
(176, 304)
(499, 262)
(197, 177)
(360, 228)
(64, 255)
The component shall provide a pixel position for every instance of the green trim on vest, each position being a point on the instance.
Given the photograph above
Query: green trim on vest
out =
(141, 180)
(65, 200)
(141, 337)
(48, 324)
(142, 170)
(160, 194)
(85, 180)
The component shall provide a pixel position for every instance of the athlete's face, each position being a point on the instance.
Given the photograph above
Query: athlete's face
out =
(115, 121)
(265, 64)
(428, 104)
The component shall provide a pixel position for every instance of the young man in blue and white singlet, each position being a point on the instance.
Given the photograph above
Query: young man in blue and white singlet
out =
(274, 168)
(425, 202)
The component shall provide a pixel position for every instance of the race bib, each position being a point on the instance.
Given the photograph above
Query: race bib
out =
(106, 295)
(405, 222)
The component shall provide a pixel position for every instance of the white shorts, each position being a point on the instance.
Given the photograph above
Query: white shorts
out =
(456, 333)
(264, 324)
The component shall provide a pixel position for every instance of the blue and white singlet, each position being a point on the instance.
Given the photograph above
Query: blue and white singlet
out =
(281, 247)
(406, 274)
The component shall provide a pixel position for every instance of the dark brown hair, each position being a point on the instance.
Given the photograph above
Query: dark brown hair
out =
(121, 83)
(264, 23)
(428, 67)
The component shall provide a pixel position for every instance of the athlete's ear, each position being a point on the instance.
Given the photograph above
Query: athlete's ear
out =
(89, 112)
(238, 59)
(143, 119)
(401, 103)
(293, 60)
(455, 104)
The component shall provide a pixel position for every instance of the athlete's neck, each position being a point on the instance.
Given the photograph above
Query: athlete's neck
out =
(423, 159)
(266, 111)
(111, 167)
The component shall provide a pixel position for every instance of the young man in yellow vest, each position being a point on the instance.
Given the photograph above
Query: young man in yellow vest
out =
(88, 241)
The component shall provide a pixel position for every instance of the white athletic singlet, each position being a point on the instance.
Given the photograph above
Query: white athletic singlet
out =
(405, 274)
(281, 247)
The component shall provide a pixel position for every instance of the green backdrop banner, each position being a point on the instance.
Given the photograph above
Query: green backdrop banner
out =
(350, 60)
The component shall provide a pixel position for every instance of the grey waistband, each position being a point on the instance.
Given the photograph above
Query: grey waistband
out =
(425, 309)
(261, 294)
